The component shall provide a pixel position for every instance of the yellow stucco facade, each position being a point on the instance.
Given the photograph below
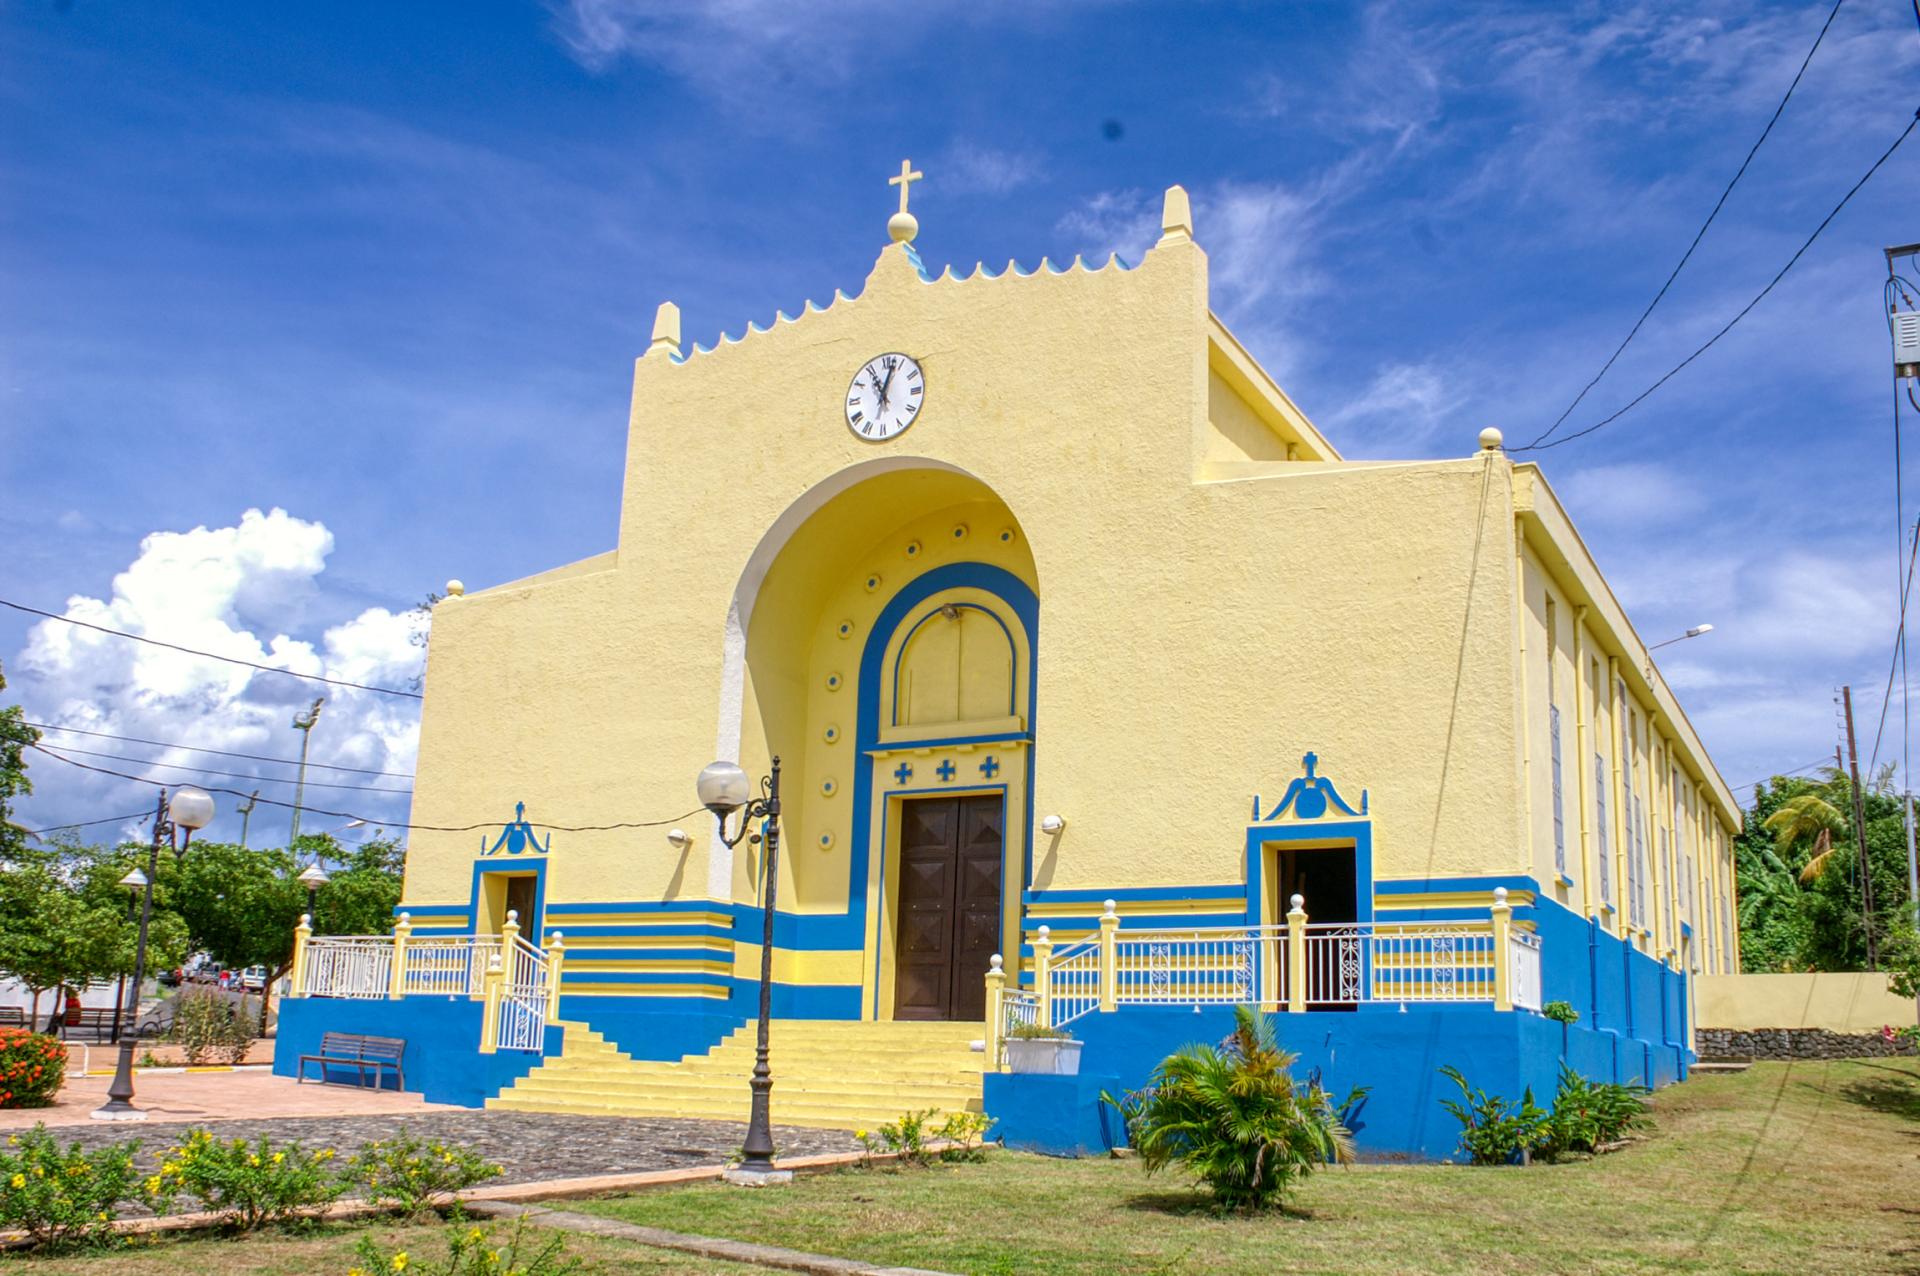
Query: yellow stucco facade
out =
(1110, 577)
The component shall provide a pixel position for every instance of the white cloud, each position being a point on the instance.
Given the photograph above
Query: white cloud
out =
(1640, 493)
(1402, 409)
(234, 591)
(968, 168)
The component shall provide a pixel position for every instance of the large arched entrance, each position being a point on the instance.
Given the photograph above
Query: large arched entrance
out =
(882, 643)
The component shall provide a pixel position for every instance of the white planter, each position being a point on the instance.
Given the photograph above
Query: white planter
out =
(1046, 1057)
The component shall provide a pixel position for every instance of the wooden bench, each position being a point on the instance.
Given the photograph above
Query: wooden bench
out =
(90, 1019)
(12, 1017)
(352, 1050)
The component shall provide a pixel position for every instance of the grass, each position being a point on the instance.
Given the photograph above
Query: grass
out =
(1793, 1168)
(328, 1251)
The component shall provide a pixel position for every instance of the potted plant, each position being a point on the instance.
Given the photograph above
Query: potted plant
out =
(1047, 1052)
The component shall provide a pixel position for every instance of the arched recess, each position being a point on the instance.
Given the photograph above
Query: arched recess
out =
(815, 622)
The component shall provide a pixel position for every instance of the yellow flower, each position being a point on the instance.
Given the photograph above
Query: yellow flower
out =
(39, 1171)
(253, 1160)
(279, 1157)
(325, 1155)
(171, 1167)
(153, 1184)
(400, 1261)
(356, 1271)
(476, 1235)
(19, 1180)
(859, 1134)
(102, 1216)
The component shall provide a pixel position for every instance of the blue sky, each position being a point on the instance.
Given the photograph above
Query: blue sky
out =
(384, 267)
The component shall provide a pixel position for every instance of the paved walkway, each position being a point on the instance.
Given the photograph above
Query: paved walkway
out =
(529, 1146)
(214, 1096)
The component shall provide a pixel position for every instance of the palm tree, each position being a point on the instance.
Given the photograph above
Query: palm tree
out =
(1804, 816)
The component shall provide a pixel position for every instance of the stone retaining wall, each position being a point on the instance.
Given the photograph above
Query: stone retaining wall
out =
(1795, 1043)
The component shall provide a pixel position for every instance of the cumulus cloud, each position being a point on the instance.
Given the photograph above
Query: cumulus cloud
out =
(243, 592)
(969, 168)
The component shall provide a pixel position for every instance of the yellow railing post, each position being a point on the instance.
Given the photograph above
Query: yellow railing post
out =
(297, 971)
(1297, 956)
(996, 1010)
(1502, 959)
(556, 961)
(397, 976)
(510, 931)
(490, 1012)
(1109, 958)
(1042, 977)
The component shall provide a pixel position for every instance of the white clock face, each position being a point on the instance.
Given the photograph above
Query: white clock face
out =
(885, 397)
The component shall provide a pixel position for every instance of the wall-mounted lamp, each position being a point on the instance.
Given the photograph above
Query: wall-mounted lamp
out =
(678, 839)
(1052, 824)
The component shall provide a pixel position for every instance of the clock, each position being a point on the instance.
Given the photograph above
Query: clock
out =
(884, 397)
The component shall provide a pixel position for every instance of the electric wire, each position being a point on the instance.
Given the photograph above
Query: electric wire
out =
(231, 775)
(1744, 310)
(61, 828)
(1804, 767)
(1702, 232)
(391, 824)
(193, 651)
(225, 753)
(1899, 639)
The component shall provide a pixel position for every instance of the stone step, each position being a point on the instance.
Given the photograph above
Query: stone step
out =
(832, 1117)
(1721, 1065)
(863, 1093)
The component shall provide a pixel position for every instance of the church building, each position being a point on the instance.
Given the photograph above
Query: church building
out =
(1106, 696)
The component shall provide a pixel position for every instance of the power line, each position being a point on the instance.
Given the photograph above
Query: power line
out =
(1784, 774)
(392, 824)
(1702, 233)
(60, 828)
(192, 651)
(194, 748)
(1899, 644)
(1744, 310)
(232, 775)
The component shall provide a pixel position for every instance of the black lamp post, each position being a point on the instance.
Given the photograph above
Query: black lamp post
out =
(724, 789)
(190, 809)
(313, 879)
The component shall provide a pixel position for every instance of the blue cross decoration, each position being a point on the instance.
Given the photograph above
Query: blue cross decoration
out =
(990, 768)
(903, 773)
(945, 769)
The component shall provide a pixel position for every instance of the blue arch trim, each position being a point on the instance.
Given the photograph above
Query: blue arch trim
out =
(987, 578)
(1012, 654)
(532, 930)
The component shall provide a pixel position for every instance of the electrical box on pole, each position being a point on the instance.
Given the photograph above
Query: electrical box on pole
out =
(1903, 311)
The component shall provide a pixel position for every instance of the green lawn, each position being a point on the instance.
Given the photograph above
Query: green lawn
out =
(1806, 1169)
(328, 1251)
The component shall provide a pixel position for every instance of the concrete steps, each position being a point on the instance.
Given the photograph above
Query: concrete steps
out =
(830, 1074)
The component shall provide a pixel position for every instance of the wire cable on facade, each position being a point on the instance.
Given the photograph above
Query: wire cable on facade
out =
(1702, 232)
(224, 753)
(375, 820)
(192, 651)
(1745, 310)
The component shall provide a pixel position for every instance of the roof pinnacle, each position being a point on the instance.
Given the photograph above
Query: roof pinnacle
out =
(903, 225)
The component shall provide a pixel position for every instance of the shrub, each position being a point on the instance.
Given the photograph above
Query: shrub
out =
(906, 1138)
(1038, 1032)
(205, 1024)
(413, 1177)
(32, 1066)
(249, 1185)
(63, 1199)
(472, 1251)
(1588, 1115)
(962, 1132)
(1561, 1012)
(1493, 1130)
(1233, 1116)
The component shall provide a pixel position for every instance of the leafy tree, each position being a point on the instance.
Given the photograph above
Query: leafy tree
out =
(241, 905)
(15, 736)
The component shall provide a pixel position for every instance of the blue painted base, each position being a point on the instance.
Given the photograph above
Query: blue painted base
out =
(1397, 1055)
(656, 1027)
(442, 1061)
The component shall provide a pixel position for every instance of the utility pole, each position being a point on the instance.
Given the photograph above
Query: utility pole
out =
(303, 723)
(246, 815)
(1860, 833)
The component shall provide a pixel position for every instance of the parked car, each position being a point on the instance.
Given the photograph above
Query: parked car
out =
(169, 978)
(253, 978)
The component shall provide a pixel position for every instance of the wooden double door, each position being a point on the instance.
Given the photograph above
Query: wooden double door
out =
(952, 852)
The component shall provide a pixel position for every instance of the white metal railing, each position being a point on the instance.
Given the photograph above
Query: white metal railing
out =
(348, 966)
(1523, 952)
(1191, 967)
(453, 966)
(522, 1019)
(1018, 1008)
(1074, 981)
(1343, 963)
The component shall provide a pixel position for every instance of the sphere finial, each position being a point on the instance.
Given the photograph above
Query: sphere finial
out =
(455, 589)
(1490, 439)
(903, 227)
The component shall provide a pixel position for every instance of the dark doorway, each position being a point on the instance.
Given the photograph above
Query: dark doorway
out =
(520, 897)
(951, 852)
(1328, 883)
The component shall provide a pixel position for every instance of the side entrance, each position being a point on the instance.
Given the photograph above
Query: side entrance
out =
(951, 856)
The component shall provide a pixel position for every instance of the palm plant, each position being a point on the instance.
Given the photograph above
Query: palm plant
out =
(1233, 1116)
(1807, 816)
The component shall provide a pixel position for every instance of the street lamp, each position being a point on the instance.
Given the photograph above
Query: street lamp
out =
(1694, 632)
(724, 789)
(313, 879)
(135, 881)
(190, 809)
